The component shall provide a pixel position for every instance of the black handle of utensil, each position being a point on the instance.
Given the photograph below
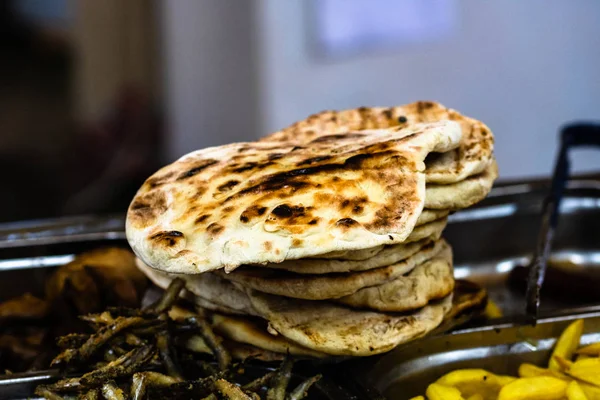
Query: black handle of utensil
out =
(572, 136)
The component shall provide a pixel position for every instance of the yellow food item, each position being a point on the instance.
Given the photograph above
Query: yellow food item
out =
(505, 379)
(564, 379)
(492, 311)
(592, 392)
(563, 363)
(527, 370)
(587, 370)
(535, 388)
(574, 392)
(473, 381)
(566, 344)
(476, 396)
(590, 350)
(435, 391)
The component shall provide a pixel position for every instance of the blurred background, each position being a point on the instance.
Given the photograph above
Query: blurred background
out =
(96, 95)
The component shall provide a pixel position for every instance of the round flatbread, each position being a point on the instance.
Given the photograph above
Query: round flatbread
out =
(462, 194)
(253, 331)
(326, 286)
(388, 255)
(428, 215)
(210, 291)
(432, 280)
(259, 202)
(338, 330)
(430, 228)
(470, 158)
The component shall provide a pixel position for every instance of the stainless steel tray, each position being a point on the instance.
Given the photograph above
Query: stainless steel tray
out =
(491, 239)
(406, 371)
(488, 241)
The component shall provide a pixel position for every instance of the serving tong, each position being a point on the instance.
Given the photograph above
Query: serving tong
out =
(571, 136)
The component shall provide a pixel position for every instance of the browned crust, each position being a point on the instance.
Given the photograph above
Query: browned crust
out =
(476, 146)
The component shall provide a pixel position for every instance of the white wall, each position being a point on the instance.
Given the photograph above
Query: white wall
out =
(523, 67)
(210, 75)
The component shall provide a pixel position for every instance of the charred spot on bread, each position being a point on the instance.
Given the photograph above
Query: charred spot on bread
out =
(346, 222)
(202, 218)
(214, 229)
(203, 164)
(228, 185)
(168, 238)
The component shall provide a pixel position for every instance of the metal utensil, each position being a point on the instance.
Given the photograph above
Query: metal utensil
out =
(572, 136)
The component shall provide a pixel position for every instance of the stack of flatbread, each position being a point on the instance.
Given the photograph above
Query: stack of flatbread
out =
(324, 238)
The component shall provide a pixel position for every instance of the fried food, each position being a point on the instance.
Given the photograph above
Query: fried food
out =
(25, 307)
(97, 279)
(435, 391)
(214, 343)
(587, 370)
(492, 311)
(475, 381)
(143, 353)
(92, 282)
(575, 392)
(538, 388)
(301, 391)
(567, 344)
(280, 381)
(564, 378)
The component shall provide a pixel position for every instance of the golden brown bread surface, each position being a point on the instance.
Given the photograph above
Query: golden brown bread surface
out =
(253, 331)
(386, 256)
(259, 202)
(431, 280)
(463, 194)
(322, 326)
(471, 157)
(338, 330)
(327, 286)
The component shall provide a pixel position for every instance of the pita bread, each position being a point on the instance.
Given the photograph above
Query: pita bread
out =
(248, 203)
(430, 228)
(462, 194)
(470, 158)
(326, 286)
(211, 291)
(432, 280)
(362, 260)
(468, 302)
(468, 296)
(388, 255)
(428, 215)
(216, 307)
(243, 337)
(338, 330)
(254, 332)
(345, 255)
